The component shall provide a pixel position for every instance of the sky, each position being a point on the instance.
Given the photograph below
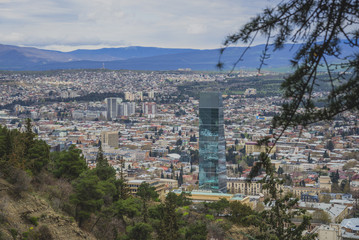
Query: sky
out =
(67, 25)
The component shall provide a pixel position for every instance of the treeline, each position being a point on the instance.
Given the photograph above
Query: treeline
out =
(102, 204)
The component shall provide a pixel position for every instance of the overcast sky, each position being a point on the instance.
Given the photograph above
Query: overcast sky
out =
(72, 24)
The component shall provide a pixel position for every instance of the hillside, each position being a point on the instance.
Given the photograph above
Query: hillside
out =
(31, 215)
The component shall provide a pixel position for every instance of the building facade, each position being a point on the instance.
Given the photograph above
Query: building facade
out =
(149, 108)
(212, 159)
(253, 147)
(126, 109)
(112, 107)
(110, 138)
(253, 187)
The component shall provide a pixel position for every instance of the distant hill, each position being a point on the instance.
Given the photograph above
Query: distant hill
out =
(111, 54)
(141, 58)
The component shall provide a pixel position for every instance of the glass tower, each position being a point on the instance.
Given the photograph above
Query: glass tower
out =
(212, 158)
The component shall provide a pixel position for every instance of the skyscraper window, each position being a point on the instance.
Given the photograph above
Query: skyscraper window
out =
(212, 158)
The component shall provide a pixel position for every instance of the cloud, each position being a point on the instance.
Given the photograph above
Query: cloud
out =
(196, 28)
(171, 23)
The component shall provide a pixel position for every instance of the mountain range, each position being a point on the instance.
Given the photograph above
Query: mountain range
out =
(141, 58)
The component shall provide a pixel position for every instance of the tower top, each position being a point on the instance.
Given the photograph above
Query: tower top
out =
(210, 100)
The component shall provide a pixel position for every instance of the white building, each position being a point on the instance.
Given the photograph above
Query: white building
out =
(112, 107)
(126, 109)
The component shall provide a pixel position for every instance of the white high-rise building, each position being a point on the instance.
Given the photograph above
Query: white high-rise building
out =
(112, 107)
(126, 109)
(151, 94)
(149, 109)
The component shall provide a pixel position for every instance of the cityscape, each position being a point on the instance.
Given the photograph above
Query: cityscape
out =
(204, 120)
(192, 143)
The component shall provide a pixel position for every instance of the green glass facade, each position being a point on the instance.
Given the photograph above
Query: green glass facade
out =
(212, 158)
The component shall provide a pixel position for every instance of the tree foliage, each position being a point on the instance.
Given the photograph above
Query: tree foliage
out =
(88, 196)
(323, 28)
(103, 169)
(146, 192)
(140, 231)
(69, 163)
(169, 219)
(22, 150)
(197, 231)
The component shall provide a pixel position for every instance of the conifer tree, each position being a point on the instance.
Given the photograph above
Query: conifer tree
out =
(169, 223)
(103, 170)
(68, 164)
(122, 186)
(146, 192)
(180, 178)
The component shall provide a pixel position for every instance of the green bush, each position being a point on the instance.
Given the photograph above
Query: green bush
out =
(209, 217)
(13, 233)
(34, 221)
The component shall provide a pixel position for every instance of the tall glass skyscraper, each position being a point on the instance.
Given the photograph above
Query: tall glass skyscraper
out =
(212, 158)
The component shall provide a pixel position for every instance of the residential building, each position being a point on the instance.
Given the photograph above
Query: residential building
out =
(329, 232)
(149, 108)
(112, 107)
(325, 183)
(243, 186)
(110, 138)
(160, 186)
(350, 228)
(126, 109)
(253, 147)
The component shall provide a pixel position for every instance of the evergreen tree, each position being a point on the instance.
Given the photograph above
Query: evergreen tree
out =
(330, 145)
(197, 231)
(280, 171)
(140, 231)
(130, 207)
(146, 192)
(310, 160)
(88, 196)
(180, 178)
(334, 177)
(29, 135)
(169, 228)
(121, 184)
(179, 142)
(103, 170)
(68, 164)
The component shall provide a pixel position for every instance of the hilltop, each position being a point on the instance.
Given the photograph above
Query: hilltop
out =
(143, 58)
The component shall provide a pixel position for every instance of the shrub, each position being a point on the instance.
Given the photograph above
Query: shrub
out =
(21, 181)
(13, 233)
(44, 233)
(210, 217)
(34, 220)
